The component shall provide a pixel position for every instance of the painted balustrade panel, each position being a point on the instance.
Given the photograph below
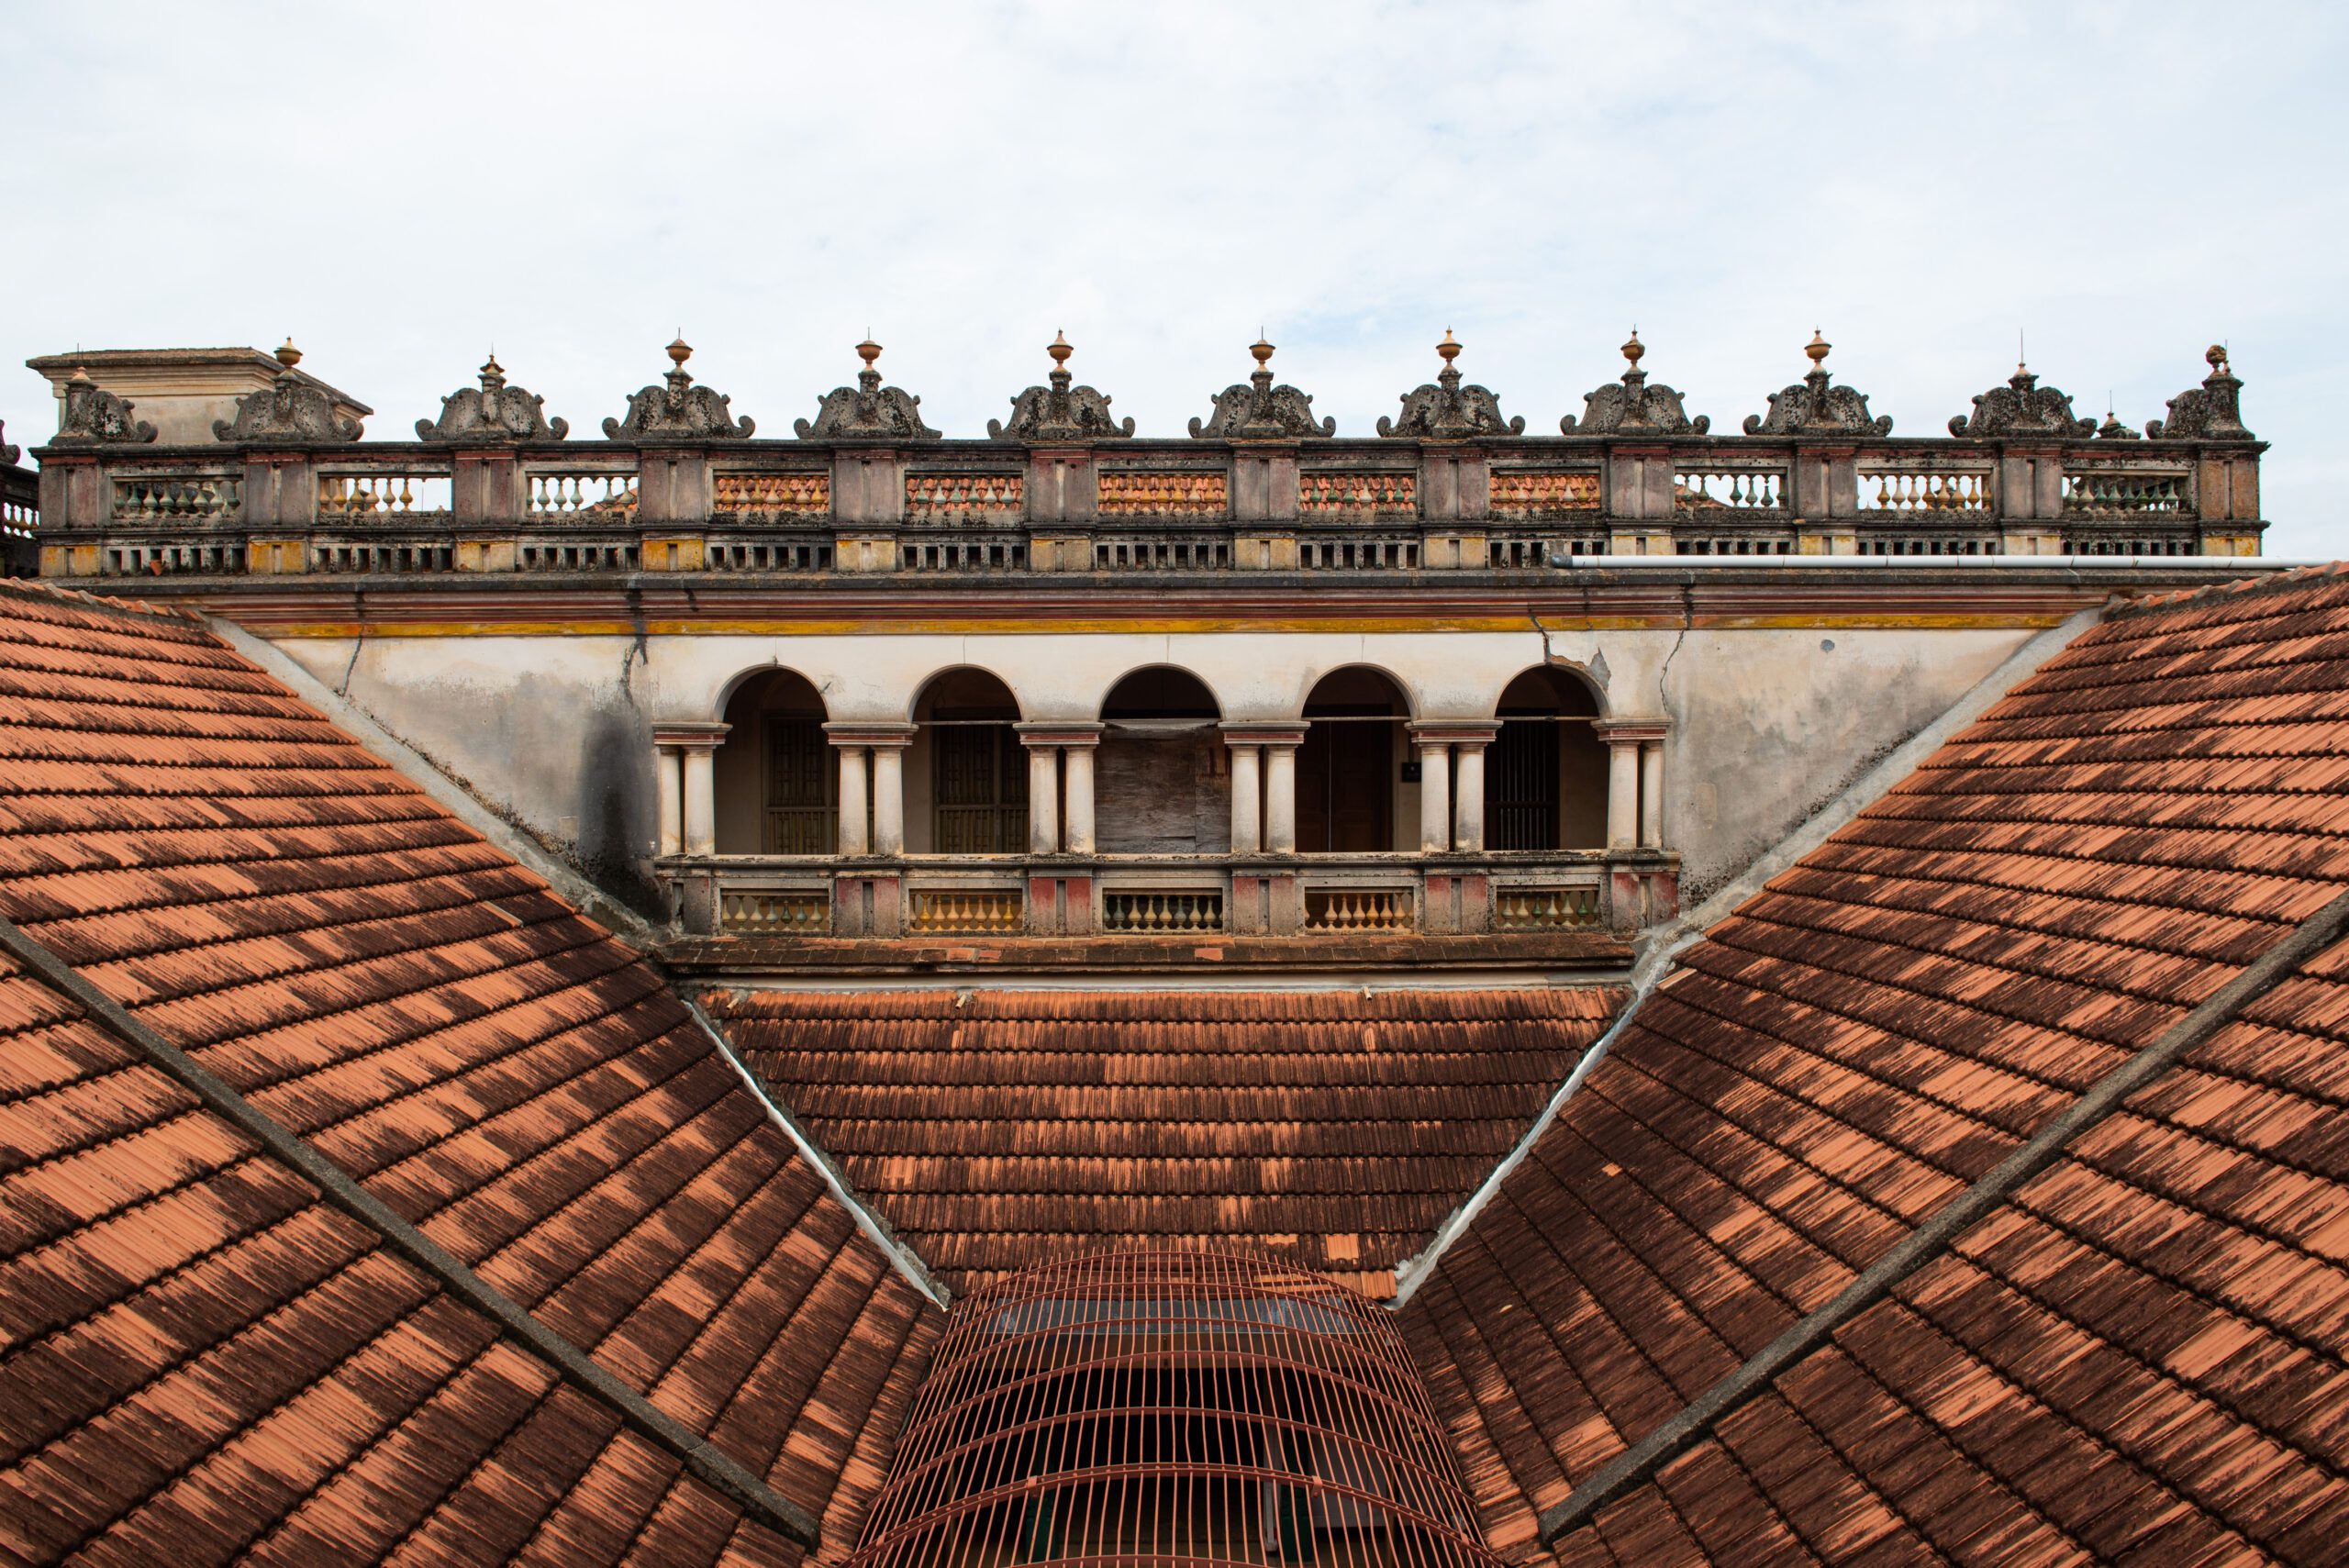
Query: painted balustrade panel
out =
(1335, 496)
(581, 494)
(765, 497)
(1150, 494)
(1361, 910)
(773, 912)
(978, 912)
(1910, 491)
(951, 498)
(1523, 493)
(1173, 912)
(381, 495)
(1708, 488)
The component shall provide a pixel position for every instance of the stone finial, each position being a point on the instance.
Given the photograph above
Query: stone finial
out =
(2113, 429)
(1816, 406)
(1259, 411)
(2022, 408)
(95, 416)
(2211, 412)
(1634, 406)
(678, 411)
(1443, 410)
(867, 411)
(494, 412)
(1060, 411)
(290, 409)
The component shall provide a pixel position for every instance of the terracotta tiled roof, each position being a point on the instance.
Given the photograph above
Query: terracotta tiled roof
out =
(999, 1130)
(197, 1356)
(2141, 1353)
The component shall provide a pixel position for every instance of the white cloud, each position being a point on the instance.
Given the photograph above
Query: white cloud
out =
(400, 187)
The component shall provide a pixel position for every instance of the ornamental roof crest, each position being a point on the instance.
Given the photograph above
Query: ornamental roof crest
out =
(1634, 406)
(493, 412)
(2022, 408)
(1816, 406)
(2211, 412)
(679, 411)
(868, 409)
(1060, 412)
(1259, 411)
(95, 416)
(288, 409)
(1444, 410)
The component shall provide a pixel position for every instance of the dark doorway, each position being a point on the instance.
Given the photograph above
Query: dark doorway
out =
(1345, 769)
(778, 784)
(978, 775)
(1545, 774)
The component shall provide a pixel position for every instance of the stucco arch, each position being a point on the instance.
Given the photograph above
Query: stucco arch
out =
(1101, 706)
(1560, 669)
(930, 682)
(1404, 690)
(733, 685)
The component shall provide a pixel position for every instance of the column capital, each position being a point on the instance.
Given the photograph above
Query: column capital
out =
(1036, 732)
(883, 733)
(1263, 731)
(1615, 731)
(1453, 731)
(690, 734)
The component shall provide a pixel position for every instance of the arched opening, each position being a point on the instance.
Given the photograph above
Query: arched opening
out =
(1351, 795)
(1545, 772)
(777, 788)
(1162, 774)
(967, 772)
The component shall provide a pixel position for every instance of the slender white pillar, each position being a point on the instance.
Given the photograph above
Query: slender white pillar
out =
(1246, 808)
(1043, 800)
(1623, 792)
(852, 840)
(888, 800)
(1652, 794)
(1078, 807)
(1280, 800)
(1435, 796)
(668, 769)
(1468, 797)
(701, 800)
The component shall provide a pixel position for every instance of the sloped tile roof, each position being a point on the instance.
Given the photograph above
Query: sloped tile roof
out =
(997, 1130)
(198, 1357)
(2142, 1354)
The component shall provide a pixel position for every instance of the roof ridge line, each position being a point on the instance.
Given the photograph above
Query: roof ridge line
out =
(1696, 1419)
(34, 588)
(902, 1258)
(703, 1458)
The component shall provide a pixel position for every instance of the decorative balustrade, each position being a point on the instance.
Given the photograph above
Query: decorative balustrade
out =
(1912, 491)
(766, 497)
(156, 498)
(1161, 554)
(382, 495)
(1521, 492)
(1328, 495)
(2124, 493)
(773, 912)
(949, 498)
(1728, 489)
(978, 912)
(568, 493)
(1151, 494)
(377, 557)
(1548, 908)
(1160, 914)
(1357, 554)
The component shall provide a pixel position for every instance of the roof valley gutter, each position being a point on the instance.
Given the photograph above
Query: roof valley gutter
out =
(902, 1257)
(1694, 1421)
(338, 1188)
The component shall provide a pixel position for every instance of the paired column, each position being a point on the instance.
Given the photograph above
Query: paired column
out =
(685, 771)
(1451, 784)
(1060, 786)
(1263, 785)
(1635, 781)
(872, 786)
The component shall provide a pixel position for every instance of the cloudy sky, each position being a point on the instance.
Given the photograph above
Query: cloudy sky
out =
(2124, 183)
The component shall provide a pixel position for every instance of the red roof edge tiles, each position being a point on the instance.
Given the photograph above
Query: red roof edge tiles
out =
(208, 1348)
(996, 1131)
(2033, 1084)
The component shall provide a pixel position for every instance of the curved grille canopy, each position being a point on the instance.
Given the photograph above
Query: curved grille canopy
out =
(1172, 1408)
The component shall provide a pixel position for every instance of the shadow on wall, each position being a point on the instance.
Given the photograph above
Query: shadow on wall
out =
(616, 813)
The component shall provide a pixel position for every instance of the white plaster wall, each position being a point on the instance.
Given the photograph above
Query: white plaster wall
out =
(1766, 722)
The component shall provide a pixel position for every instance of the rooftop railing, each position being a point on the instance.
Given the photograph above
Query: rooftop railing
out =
(680, 486)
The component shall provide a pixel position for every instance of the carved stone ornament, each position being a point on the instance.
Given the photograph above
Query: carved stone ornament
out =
(95, 416)
(2113, 429)
(288, 409)
(1443, 410)
(1815, 407)
(867, 410)
(2212, 411)
(679, 411)
(2022, 408)
(1060, 412)
(494, 412)
(1261, 411)
(1634, 406)
(9, 451)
